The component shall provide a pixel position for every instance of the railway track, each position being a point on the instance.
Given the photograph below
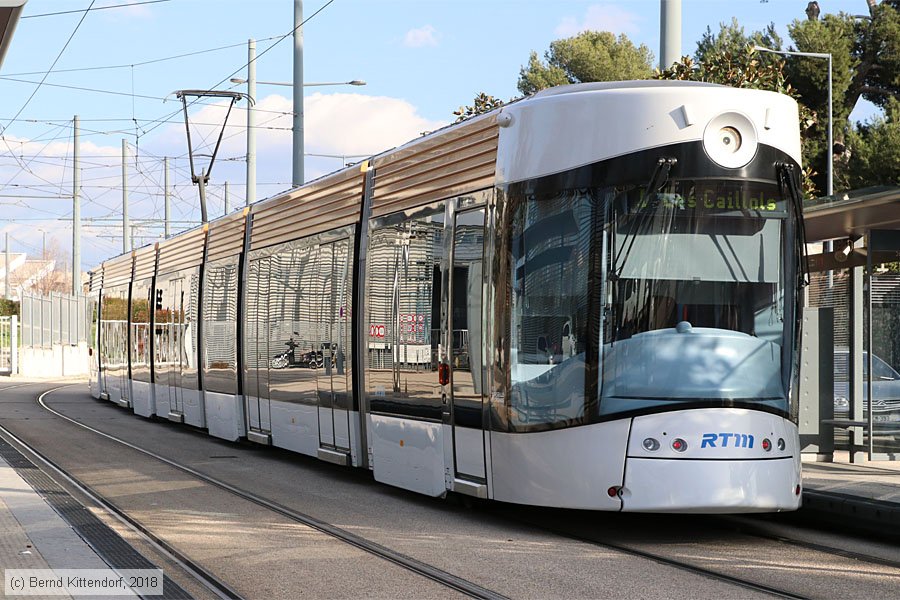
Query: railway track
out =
(743, 526)
(65, 482)
(420, 568)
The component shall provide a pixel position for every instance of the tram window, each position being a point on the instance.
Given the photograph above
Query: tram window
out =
(220, 327)
(403, 299)
(715, 266)
(140, 330)
(297, 279)
(549, 331)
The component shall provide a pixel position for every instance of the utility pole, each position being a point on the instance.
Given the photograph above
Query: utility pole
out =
(8, 270)
(226, 198)
(126, 229)
(166, 201)
(76, 214)
(669, 33)
(297, 178)
(251, 122)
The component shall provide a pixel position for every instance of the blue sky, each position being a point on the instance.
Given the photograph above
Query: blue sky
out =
(421, 60)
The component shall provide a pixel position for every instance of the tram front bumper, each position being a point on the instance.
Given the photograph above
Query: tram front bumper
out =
(711, 486)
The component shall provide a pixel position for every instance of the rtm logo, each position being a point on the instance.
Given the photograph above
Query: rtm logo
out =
(739, 440)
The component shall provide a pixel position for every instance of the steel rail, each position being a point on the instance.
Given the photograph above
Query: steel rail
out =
(202, 575)
(431, 572)
(671, 562)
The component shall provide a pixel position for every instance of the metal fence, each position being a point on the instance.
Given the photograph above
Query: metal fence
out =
(56, 319)
(6, 344)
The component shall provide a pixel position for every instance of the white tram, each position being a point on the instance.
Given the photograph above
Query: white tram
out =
(585, 299)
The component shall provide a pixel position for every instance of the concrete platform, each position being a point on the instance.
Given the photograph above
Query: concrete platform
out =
(34, 535)
(43, 527)
(861, 495)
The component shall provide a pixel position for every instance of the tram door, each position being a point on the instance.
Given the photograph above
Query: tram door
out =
(173, 344)
(334, 398)
(467, 398)
(259, 352)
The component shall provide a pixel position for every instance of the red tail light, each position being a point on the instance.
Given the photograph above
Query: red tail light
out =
(444, 374)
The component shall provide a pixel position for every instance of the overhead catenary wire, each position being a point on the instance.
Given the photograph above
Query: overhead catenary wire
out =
(58, 56)
(69, 12)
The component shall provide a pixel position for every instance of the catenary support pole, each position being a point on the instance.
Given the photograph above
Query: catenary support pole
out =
(297, 178)
(167, 200)
(669, 33)
(251, 122)
(227, 207)
(126, 227)
(8, 273)
(76, 211)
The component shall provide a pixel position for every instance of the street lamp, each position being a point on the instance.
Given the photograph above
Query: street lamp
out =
(354, 82)
(830, 183)
(251, 132)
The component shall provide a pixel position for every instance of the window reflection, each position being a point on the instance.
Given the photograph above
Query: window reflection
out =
(403, 304)
(551, 242)
(220, 327)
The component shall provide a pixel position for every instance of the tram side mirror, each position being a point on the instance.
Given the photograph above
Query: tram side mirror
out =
(542, 344)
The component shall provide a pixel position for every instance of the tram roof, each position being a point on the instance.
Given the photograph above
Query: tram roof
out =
(622, 85)
(853, 213)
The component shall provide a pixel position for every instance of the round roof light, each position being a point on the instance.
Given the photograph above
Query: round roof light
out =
(730, 140)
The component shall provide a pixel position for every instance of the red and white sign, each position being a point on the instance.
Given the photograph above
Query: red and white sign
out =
(376, 331)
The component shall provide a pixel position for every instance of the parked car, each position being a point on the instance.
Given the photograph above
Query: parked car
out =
(885, 391)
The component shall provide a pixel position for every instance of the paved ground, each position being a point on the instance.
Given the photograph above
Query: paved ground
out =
(262, 554)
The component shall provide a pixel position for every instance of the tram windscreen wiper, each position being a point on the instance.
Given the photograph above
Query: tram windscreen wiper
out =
(787, 181)
(658, 180)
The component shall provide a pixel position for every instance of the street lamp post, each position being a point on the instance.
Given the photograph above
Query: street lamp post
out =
(830, 183)
(828, 246)
(251, 132)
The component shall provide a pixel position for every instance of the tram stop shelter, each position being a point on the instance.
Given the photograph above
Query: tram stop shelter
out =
(851, 331)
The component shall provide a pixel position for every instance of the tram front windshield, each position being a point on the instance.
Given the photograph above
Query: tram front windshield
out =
(627, 302)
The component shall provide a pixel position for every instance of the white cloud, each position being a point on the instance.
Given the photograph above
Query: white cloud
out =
(122, 13)
(600, 17)
(421, 37)
(360, 124)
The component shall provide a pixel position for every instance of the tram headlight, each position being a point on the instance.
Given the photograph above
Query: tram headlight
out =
(730, 140)
(781, 443)
(679, 445)
(766, 444)
(651, 444)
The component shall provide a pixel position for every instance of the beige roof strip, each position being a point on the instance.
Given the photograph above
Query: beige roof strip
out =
(331, 202)
(457, 161)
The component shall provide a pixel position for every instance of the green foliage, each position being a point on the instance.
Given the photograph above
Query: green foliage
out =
(731, 38)
(875, 159)
(481, 104)
(8, 307)
(588, 56)
(115, 309)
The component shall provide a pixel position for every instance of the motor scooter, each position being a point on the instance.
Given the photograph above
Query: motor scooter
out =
(287, 358)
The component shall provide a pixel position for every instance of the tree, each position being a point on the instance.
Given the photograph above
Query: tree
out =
(481, 104)
(56, 279)
(875, 159)
(588, 56)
